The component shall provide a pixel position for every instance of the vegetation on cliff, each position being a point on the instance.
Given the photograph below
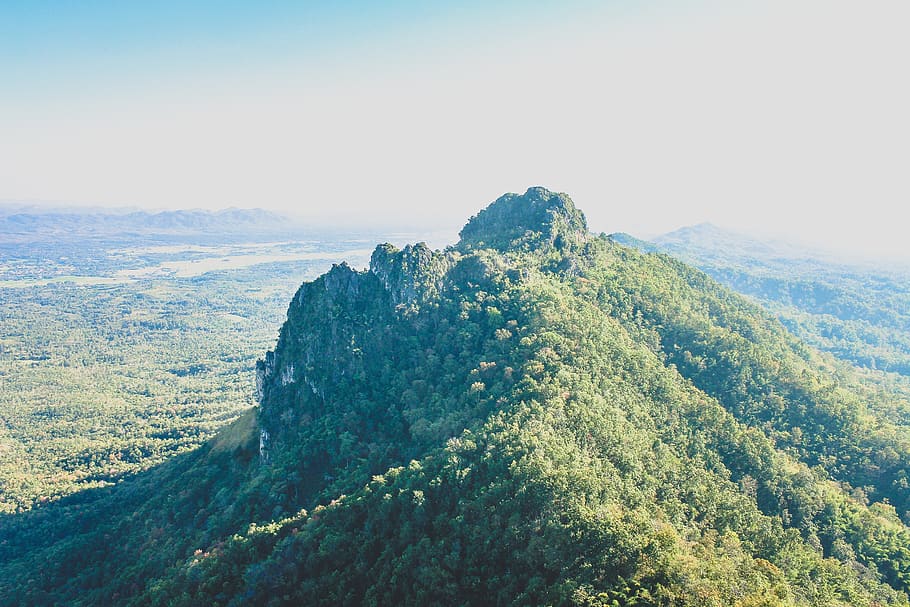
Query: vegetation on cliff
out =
(535, 415)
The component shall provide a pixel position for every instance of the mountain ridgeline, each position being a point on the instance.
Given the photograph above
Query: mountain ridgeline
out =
(535, 415)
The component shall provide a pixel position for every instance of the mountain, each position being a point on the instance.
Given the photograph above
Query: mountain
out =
(859, 313)
(708, 239)
(535, 415)
(31, 224)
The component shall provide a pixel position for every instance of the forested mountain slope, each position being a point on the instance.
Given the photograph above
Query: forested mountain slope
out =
(860, 313)
(533, 416)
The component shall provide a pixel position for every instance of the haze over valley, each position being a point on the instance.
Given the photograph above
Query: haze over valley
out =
(430, 303)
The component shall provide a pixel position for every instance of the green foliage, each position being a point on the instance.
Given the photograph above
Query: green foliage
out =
(555, 421)
(98, 382)
(543, 215)
(858, 313)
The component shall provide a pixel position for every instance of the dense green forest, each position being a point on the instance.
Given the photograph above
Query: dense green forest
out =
(118, 354)
(535, 415)
(97, 382)
(859, 313)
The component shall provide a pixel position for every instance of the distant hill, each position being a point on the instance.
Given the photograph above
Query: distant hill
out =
(858, 312)
(33, 225)
(533, 416)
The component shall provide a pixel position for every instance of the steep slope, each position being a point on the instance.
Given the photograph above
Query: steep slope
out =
(533, 416)
(859, 313)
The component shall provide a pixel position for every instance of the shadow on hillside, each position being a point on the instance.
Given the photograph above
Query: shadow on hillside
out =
(188, 497)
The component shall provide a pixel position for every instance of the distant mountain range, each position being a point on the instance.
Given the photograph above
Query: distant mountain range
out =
(706, 242)
(26, 225)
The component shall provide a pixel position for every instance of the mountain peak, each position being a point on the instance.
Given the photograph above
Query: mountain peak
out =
(548, 215)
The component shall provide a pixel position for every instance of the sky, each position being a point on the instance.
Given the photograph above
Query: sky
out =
(785, 118)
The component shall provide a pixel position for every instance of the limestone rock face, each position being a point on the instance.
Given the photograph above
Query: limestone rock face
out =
(328, 322)
(343, 322)
(412, 275)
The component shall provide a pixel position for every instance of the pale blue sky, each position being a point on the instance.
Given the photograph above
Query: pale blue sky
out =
(785, 117)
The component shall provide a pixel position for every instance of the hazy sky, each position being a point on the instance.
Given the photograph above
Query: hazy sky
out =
(774, 116)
